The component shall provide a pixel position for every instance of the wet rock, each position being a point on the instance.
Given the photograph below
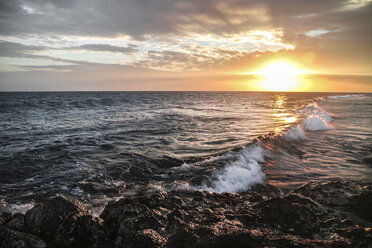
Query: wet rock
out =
(48, 216)
(5, 217)
(17, 222)
(14, 239)
(318, 214)
(368, 160)
(293, 211)
(177, 239)
(361, 204)
(144, 238)
(101, 188)
(358, 236)
(64, 222)
(331, 194)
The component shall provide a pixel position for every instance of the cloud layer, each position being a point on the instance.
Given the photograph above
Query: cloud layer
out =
(175, 35)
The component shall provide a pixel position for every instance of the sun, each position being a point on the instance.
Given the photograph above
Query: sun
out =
(280, 75)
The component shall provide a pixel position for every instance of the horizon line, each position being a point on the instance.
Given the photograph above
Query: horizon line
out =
(149, 91)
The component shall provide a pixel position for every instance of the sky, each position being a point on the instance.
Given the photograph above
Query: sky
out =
(52, 45)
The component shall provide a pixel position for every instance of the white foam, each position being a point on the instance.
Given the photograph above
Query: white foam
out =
(316, 123)
(18, 208)
(316, 118)
(240, 175)
(295, 133)
(184, 167)
(77, 191)
(187, 167)
(346, 96)
(314, 110)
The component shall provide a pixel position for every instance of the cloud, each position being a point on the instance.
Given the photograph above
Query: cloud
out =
(195, 52)
(184, 35)
(17, 50)
(20, 51)
(104, 48)
(144, 17)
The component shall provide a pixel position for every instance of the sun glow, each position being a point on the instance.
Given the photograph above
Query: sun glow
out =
(280, 76)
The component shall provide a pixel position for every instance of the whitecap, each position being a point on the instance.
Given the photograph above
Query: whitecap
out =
(314, 110)
(345, 96)
(316, 118)
(316, 123)
(189, 166)
(295, 133)
(240, 175)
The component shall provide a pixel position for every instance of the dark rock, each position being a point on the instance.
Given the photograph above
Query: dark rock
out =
(182, 238)
(64, 222)
(292, 211)
(14, 239)
(266, 191)
(144, 238)
(46, 218)
(17, 222)
(359, 237)
(331, 194)
(5, 217)
(318, 214)
(361, 204)
(368, 160)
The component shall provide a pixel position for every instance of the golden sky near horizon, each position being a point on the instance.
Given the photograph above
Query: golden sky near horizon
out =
(257, 45)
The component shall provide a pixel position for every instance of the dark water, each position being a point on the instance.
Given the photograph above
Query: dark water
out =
(99, 145)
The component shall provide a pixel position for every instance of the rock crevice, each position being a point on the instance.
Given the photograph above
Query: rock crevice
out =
(317, 214)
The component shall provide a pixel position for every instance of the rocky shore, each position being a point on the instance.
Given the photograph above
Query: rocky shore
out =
(317, 214)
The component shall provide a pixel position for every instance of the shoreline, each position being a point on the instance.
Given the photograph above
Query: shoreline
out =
(317, 214)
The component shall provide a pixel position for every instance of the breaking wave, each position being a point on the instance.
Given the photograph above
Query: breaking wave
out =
(240, 175)
(345, 96)
(295, 133)
(315, 118)
(243, 169)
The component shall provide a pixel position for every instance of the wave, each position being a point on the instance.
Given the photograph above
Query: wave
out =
(240, 175)
(243, 169)
(345, 96)
(316, 123)
(315, 118)
(295, 133)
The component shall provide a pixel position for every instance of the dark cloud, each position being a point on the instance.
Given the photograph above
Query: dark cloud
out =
(176, 61)
(141, 17)
(104, 48)
(349, 26)
(144, 17)
(17, 50)
(113, 17)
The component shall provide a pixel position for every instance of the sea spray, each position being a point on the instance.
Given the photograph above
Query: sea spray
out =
(345, 96)
(240, 175)
(295, 133)
(315, 118)
(316, 123)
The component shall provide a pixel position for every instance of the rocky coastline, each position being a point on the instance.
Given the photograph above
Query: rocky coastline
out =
(317, 214)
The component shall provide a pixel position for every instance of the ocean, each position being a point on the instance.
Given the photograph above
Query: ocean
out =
(100, 146)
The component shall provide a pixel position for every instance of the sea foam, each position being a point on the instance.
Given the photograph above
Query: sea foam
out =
(17, 208)
(316, 118)
(295, 133)
(316, 123)
(240, 175)
(346, 96)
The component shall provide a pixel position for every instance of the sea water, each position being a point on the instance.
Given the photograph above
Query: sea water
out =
(101, 145)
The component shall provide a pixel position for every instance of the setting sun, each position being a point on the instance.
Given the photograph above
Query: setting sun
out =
(280, 76)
